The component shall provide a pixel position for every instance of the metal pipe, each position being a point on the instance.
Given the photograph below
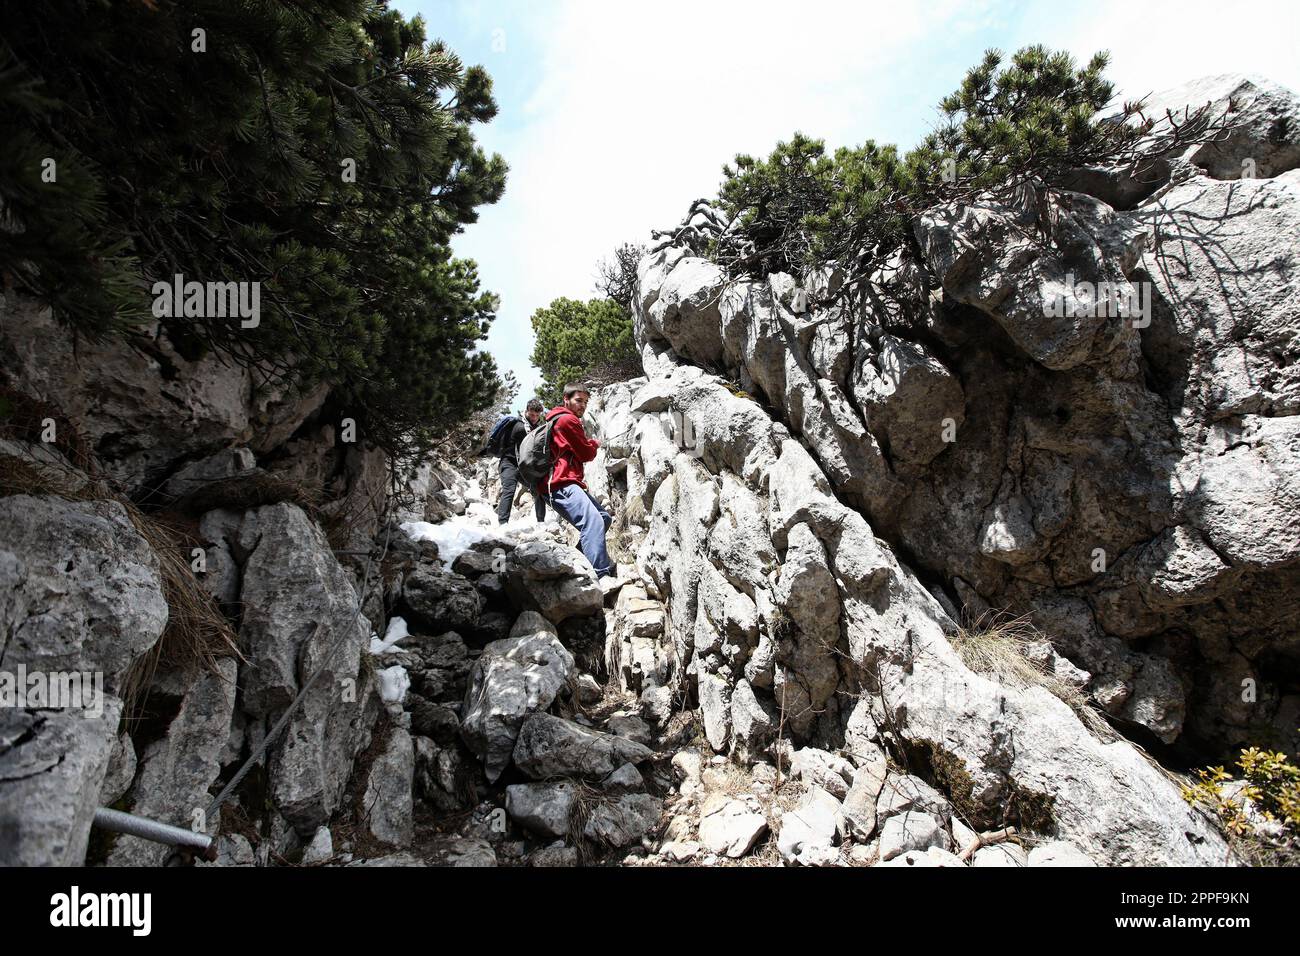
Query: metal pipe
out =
(120, 822)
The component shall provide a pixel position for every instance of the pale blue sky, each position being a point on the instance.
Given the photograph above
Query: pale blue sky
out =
(614, 116)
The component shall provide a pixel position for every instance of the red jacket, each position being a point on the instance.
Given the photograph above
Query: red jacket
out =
(571, 447)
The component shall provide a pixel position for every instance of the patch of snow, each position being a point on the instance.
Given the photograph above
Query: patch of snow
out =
(396, 632)
(453, 537)
(394, 682)
(481, 512)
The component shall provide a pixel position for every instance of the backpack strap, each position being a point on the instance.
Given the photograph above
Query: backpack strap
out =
(551, 419)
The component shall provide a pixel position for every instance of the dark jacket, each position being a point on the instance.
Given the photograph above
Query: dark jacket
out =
(517, 432)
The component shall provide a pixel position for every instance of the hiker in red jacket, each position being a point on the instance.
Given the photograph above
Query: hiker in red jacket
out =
(566, 490)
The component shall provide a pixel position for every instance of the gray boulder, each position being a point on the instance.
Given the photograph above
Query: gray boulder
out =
(543, 808)
(301, 617)
(387, 802)
(552, 580)
(820, 768)
(810, 829)
(83, 591)
(83, 599)
(177, 771)
(443, 778)
(1264, 127)
(1013, 279)
(320, 849)
(551, 747)
(625, 779)
(728, 827)
(685, 312)
(631, 727)
(905, 793)
(442, 600)
(613, 821)
(512, 679)
(52, 765)
(622, 821)
(912, 831)
(860, 802)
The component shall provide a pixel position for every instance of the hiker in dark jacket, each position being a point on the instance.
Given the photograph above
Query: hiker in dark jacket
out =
(509, 468)
(566, 489)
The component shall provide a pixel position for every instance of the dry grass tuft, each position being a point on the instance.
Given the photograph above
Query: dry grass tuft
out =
(23, 418)
(197, 633)
(998, 646)
(252, 490)
(27, 476)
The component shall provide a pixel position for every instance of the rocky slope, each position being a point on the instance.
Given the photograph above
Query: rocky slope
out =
(812, 509)
(1130, 484)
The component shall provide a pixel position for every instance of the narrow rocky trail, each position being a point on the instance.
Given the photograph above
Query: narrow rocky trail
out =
(581, 751)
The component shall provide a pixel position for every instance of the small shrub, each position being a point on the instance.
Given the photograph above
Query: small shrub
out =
(1261, 811)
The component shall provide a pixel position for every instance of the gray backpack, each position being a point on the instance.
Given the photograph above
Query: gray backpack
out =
(535, 456)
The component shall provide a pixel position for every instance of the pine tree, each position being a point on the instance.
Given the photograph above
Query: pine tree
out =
(1004, 128)
(323, 150)
(588, 342)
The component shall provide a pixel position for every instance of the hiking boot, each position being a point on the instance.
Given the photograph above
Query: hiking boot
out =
(609, 587)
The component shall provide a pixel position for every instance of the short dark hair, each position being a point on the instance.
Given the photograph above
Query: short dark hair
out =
(534, 405)
(575, 387)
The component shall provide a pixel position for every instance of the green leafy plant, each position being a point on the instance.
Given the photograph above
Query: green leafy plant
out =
(1268, 791)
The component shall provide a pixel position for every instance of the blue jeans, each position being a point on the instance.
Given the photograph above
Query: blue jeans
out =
(580, 510)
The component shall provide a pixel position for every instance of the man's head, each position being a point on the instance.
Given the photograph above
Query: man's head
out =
(575, 398)
(533, 411)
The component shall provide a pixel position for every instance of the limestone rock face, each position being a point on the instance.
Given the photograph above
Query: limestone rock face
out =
(176, 772)
(685, 311)
(298, 604)
(876, 614)
(142, 405)
(52, 764)
(1257, 138)
(82, 590)
(1263, 124)
(82, 599)
(1080, 406)
(1126, 479)
(1095, 471)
